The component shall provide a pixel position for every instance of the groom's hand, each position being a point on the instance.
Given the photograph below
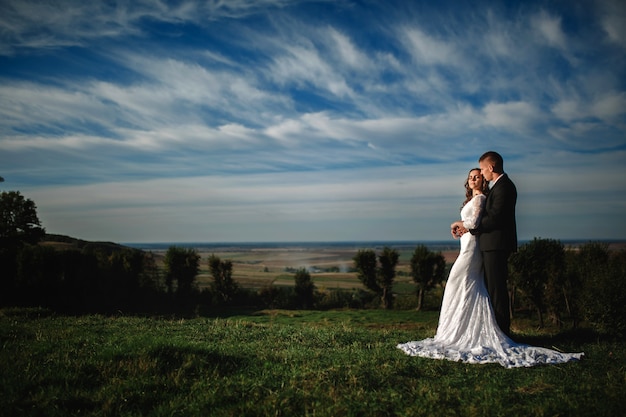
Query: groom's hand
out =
(457, 229)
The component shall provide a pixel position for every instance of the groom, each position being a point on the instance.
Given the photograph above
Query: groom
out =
(497, 234)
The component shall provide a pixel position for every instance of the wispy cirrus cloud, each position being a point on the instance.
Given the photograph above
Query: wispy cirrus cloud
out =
(59, 24)
(314, 110)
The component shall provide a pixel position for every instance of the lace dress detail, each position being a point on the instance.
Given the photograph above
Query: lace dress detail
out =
(467, 329)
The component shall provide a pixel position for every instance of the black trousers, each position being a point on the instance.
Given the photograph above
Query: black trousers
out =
(495, 264)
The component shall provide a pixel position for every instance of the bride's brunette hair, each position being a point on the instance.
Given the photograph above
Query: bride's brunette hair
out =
(469, 193)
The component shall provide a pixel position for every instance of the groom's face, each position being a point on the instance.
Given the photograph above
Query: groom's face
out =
(486, 169)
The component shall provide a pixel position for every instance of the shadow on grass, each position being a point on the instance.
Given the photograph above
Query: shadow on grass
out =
(226, 312)
(187, 361)
(578, 336)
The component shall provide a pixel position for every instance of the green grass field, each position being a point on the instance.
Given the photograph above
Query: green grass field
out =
(285, 363)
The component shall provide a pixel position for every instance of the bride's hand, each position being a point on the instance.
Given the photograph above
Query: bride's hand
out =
(457, 229)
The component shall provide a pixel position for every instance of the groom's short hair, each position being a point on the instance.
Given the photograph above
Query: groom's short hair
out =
(495, 159)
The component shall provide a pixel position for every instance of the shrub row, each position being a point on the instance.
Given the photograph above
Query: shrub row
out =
(587, 283)
(584, 283)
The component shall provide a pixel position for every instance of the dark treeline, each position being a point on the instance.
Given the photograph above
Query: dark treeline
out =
(574, 285)
(586, 283)
(77, 277)
(90, 278)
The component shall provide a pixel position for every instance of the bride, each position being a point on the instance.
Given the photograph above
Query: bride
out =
(467, 329)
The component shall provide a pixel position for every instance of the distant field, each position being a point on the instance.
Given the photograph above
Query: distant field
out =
(256, 266)
(259, 267)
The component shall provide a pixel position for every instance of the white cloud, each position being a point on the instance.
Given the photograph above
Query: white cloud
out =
(303, 66)
(567, 109)
(347, 52)
(205, 203)
(610, 107)
(427, 50)
(41, 24)
(549, 28)
(201, 208)
(309, 124)
(590, 122)
(48, 107)
(514, 116)
(614, 21)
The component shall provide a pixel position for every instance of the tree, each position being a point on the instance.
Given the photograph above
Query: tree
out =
(223, 283)
(181, 265)
(427, 270)
(19, 225)
(38, 275)
(304, 288)
(18, 220)
(603, 293)
(123, 269)
(538, 271)
(388, 261)
(367, 269)
(375, 278)
(584, 265)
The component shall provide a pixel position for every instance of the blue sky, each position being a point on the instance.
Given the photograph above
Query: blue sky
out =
(278, 120)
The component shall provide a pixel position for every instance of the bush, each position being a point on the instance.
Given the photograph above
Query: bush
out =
(337, 298)
(222, 273)
(427, 270)
(378, 278)
(274, 296)
(586, 283)
(182, 265)
(537, 271)
(604, 296)
(304, 289)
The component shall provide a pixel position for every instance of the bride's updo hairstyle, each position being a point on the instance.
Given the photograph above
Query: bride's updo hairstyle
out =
(469, 192)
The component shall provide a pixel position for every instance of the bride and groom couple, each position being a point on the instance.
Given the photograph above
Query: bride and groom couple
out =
(474, 322)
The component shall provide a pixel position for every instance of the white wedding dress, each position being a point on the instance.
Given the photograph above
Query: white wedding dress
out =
(467, 329)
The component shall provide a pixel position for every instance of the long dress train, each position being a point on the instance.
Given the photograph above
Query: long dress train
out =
(467, 329)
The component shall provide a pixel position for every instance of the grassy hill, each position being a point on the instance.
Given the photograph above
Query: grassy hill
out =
(285, 363)
(67, 242)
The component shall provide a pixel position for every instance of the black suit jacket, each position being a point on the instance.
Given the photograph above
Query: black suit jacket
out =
(497, 229)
